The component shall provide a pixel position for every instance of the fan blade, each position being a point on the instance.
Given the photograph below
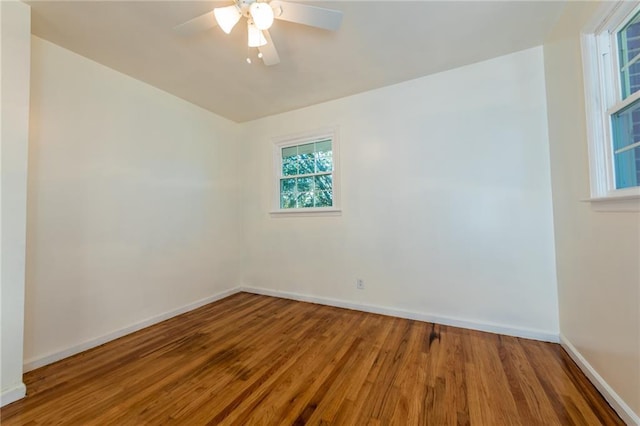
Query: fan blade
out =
(269, 52)
(313, 16)
(197, 24)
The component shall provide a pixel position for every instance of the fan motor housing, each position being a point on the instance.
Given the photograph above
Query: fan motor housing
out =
(244, 6)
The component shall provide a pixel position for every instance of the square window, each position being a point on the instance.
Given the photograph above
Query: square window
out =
(306, 178)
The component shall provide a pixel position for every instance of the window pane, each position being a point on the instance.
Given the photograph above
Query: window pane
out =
(323, 146)
(287, 185)
(289, 166)
(627, 164)
(626, 141)
(629, 56)
(305, 184)
(305, 149)
(323, 182)
(287, 200)
(291, 151)
(324, 161)
(305, 199)
(306, 165)
(323, 198)
(626, 126)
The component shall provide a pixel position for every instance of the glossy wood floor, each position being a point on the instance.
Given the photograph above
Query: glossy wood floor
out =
(259, 360)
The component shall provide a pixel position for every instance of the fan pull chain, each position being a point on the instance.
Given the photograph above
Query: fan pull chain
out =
(249, 61)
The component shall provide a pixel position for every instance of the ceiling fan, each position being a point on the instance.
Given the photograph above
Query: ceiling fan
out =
(260, 15)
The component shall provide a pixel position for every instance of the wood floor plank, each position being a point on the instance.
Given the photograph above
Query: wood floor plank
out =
(257, 360)
(346, 385)
(492, 398)
(532, 402)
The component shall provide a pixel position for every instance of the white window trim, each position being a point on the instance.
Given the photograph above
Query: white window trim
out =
(596, 41)
(300, 139)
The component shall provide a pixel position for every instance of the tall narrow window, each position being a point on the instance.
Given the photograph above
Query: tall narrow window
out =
(306, 173)
(611, 50)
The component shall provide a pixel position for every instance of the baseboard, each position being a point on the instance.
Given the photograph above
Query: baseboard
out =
(33, 363)
(420, 316)
(13, 394)
(624, 411)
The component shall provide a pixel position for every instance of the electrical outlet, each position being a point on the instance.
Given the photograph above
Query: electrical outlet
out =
(360, 284)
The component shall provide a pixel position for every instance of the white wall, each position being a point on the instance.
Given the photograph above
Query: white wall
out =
(446, 201)
(598, 253)
(132, 204)
(16, 38)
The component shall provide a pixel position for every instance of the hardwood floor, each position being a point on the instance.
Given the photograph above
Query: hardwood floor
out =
(252, 359)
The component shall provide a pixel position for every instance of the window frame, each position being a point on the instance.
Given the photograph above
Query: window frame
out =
(603, 98)
(282, 142)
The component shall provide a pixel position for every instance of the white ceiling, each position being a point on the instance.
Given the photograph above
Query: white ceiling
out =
(380, 43)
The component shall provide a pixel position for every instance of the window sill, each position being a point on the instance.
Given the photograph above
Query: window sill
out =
(615, 203)
(306, 212)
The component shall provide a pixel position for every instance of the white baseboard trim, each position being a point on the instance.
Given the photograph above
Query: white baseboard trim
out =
(624, 411)
(12, 394)
(420, 316)
(37, 362)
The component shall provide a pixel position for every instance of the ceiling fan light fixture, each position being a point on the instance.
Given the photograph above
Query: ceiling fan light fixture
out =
(262, 15)
(227, 17)
(256, 38)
